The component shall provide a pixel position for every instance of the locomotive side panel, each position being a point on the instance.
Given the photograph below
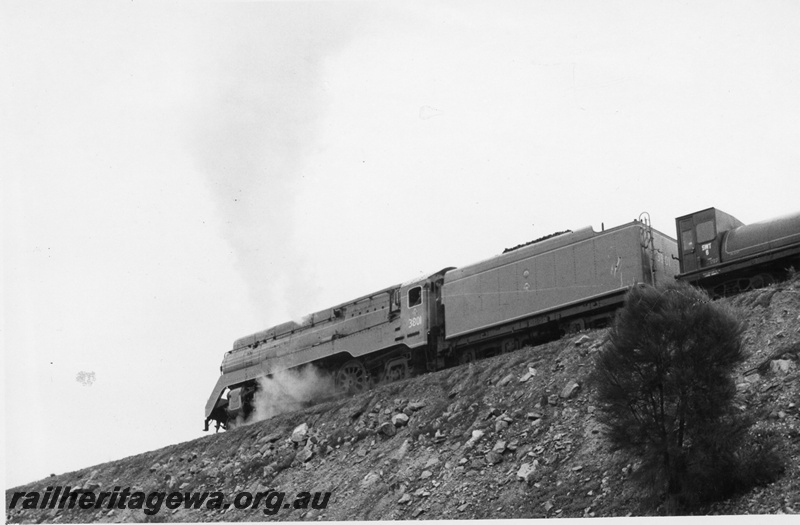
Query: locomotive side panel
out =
(308, 342)
(534, 280)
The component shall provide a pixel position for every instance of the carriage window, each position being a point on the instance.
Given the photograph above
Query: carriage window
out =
(415, 296)
(705, 231)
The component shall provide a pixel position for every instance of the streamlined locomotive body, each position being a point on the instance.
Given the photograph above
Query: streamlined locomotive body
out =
(379, 336)
(527, 295)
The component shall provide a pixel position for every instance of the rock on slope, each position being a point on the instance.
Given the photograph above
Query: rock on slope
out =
(513, 436)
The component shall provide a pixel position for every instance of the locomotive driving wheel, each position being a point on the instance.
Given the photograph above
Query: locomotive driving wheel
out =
(352, 377)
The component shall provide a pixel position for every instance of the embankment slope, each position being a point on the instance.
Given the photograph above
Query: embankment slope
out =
(514, 436)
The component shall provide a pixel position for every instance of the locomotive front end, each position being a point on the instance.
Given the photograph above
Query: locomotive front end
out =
(386, 335)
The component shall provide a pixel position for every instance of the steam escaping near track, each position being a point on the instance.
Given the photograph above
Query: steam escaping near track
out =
(290, 390)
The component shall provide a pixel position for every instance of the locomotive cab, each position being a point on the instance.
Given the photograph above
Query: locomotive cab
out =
(699, 238)
(725, 256)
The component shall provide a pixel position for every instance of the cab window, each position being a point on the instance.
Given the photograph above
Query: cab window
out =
(706, 231)
(415, 296)
(687, 240)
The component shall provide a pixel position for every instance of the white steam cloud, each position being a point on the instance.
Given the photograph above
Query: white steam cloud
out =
(265, 98)
(290, 390)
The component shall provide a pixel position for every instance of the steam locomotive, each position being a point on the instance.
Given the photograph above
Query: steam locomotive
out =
(725, 256)
(527, 295)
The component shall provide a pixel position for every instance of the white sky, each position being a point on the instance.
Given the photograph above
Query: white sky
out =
(178, 175)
